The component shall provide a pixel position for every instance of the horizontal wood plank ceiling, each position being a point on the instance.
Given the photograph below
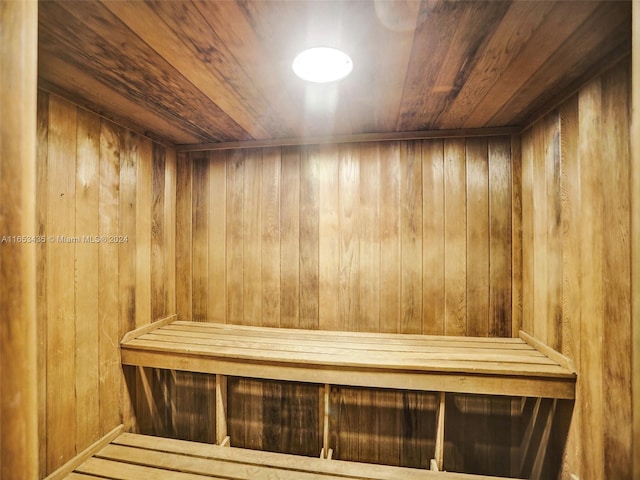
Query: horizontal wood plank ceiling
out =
(220, 71)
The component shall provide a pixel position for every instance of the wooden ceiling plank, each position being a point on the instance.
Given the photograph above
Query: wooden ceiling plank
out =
(562, 21)
(510, 36)
(213, 59)
(118, 59)
(286, 28)
(79, 87)
(444, 51)
(142, 19)
(235, 30)
(201, 71)
(467, 41)
(382, 56)
(435, 23)
(582, 55)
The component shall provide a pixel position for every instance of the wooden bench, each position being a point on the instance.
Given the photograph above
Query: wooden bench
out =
(493, 366)
(520, 367)
(126, 456)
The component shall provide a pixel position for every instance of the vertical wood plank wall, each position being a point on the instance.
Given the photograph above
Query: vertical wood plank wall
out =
(576, 263)
(411, 236)
(18, 360)
(96, 180)
(405, 236)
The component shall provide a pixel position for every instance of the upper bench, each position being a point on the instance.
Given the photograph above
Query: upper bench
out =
(494, 366)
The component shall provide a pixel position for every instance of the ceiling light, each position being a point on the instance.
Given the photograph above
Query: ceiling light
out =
(322, 64)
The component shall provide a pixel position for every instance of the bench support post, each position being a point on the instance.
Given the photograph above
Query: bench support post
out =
(438, 460)
(326, 452)
(221, 410)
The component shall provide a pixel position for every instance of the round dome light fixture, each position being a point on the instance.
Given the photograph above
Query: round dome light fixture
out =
(322, 64)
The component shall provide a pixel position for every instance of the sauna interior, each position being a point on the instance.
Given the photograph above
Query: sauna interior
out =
(476, 178)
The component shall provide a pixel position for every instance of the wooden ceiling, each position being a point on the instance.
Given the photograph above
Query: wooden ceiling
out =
(220, 71)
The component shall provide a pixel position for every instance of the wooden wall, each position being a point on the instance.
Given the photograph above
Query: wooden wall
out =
(95, 179)
(406, 236)
(576, 263)
(18, 363)
(410, 236)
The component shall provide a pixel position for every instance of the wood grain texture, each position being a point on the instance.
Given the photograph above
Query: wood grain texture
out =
(270, 237)
(41, 275)
(571, 273)
(309, 237)
(369, 238)
(89, 182)
(140, 456)
(359, 245)
(516, 234)
(159, 230)
(217, 296)
(390, 246)
(617, 347)
(222, 72)
(200, 256)
(20, 333)
(253, 408)
(501, 249)
(540, 245)
(554, 238)
(87, 277)
(108, 300)
(349, 252)
(478, 239)
(320, 251)
(329, 239)
(592, 298)
(527, 233)
(635, 236)
(411, 237)
(60, 197)
(290, 239)
(582, 293)
(234, 219)
(433, 229)
(127, 265)
(455, 315)
(143, 231)
(184, 251)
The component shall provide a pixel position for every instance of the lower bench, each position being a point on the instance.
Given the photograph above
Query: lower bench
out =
(136, 457)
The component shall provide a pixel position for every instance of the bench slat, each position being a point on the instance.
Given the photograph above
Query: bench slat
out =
(416, 362)
(142, 457)
(364, 356)
(125, 471)
(207, 467)
(338, 335)
(336, 341)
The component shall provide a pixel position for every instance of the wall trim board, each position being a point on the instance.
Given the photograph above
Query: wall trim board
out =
(356, 138)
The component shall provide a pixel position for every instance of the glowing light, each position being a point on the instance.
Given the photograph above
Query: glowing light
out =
(322, 64)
